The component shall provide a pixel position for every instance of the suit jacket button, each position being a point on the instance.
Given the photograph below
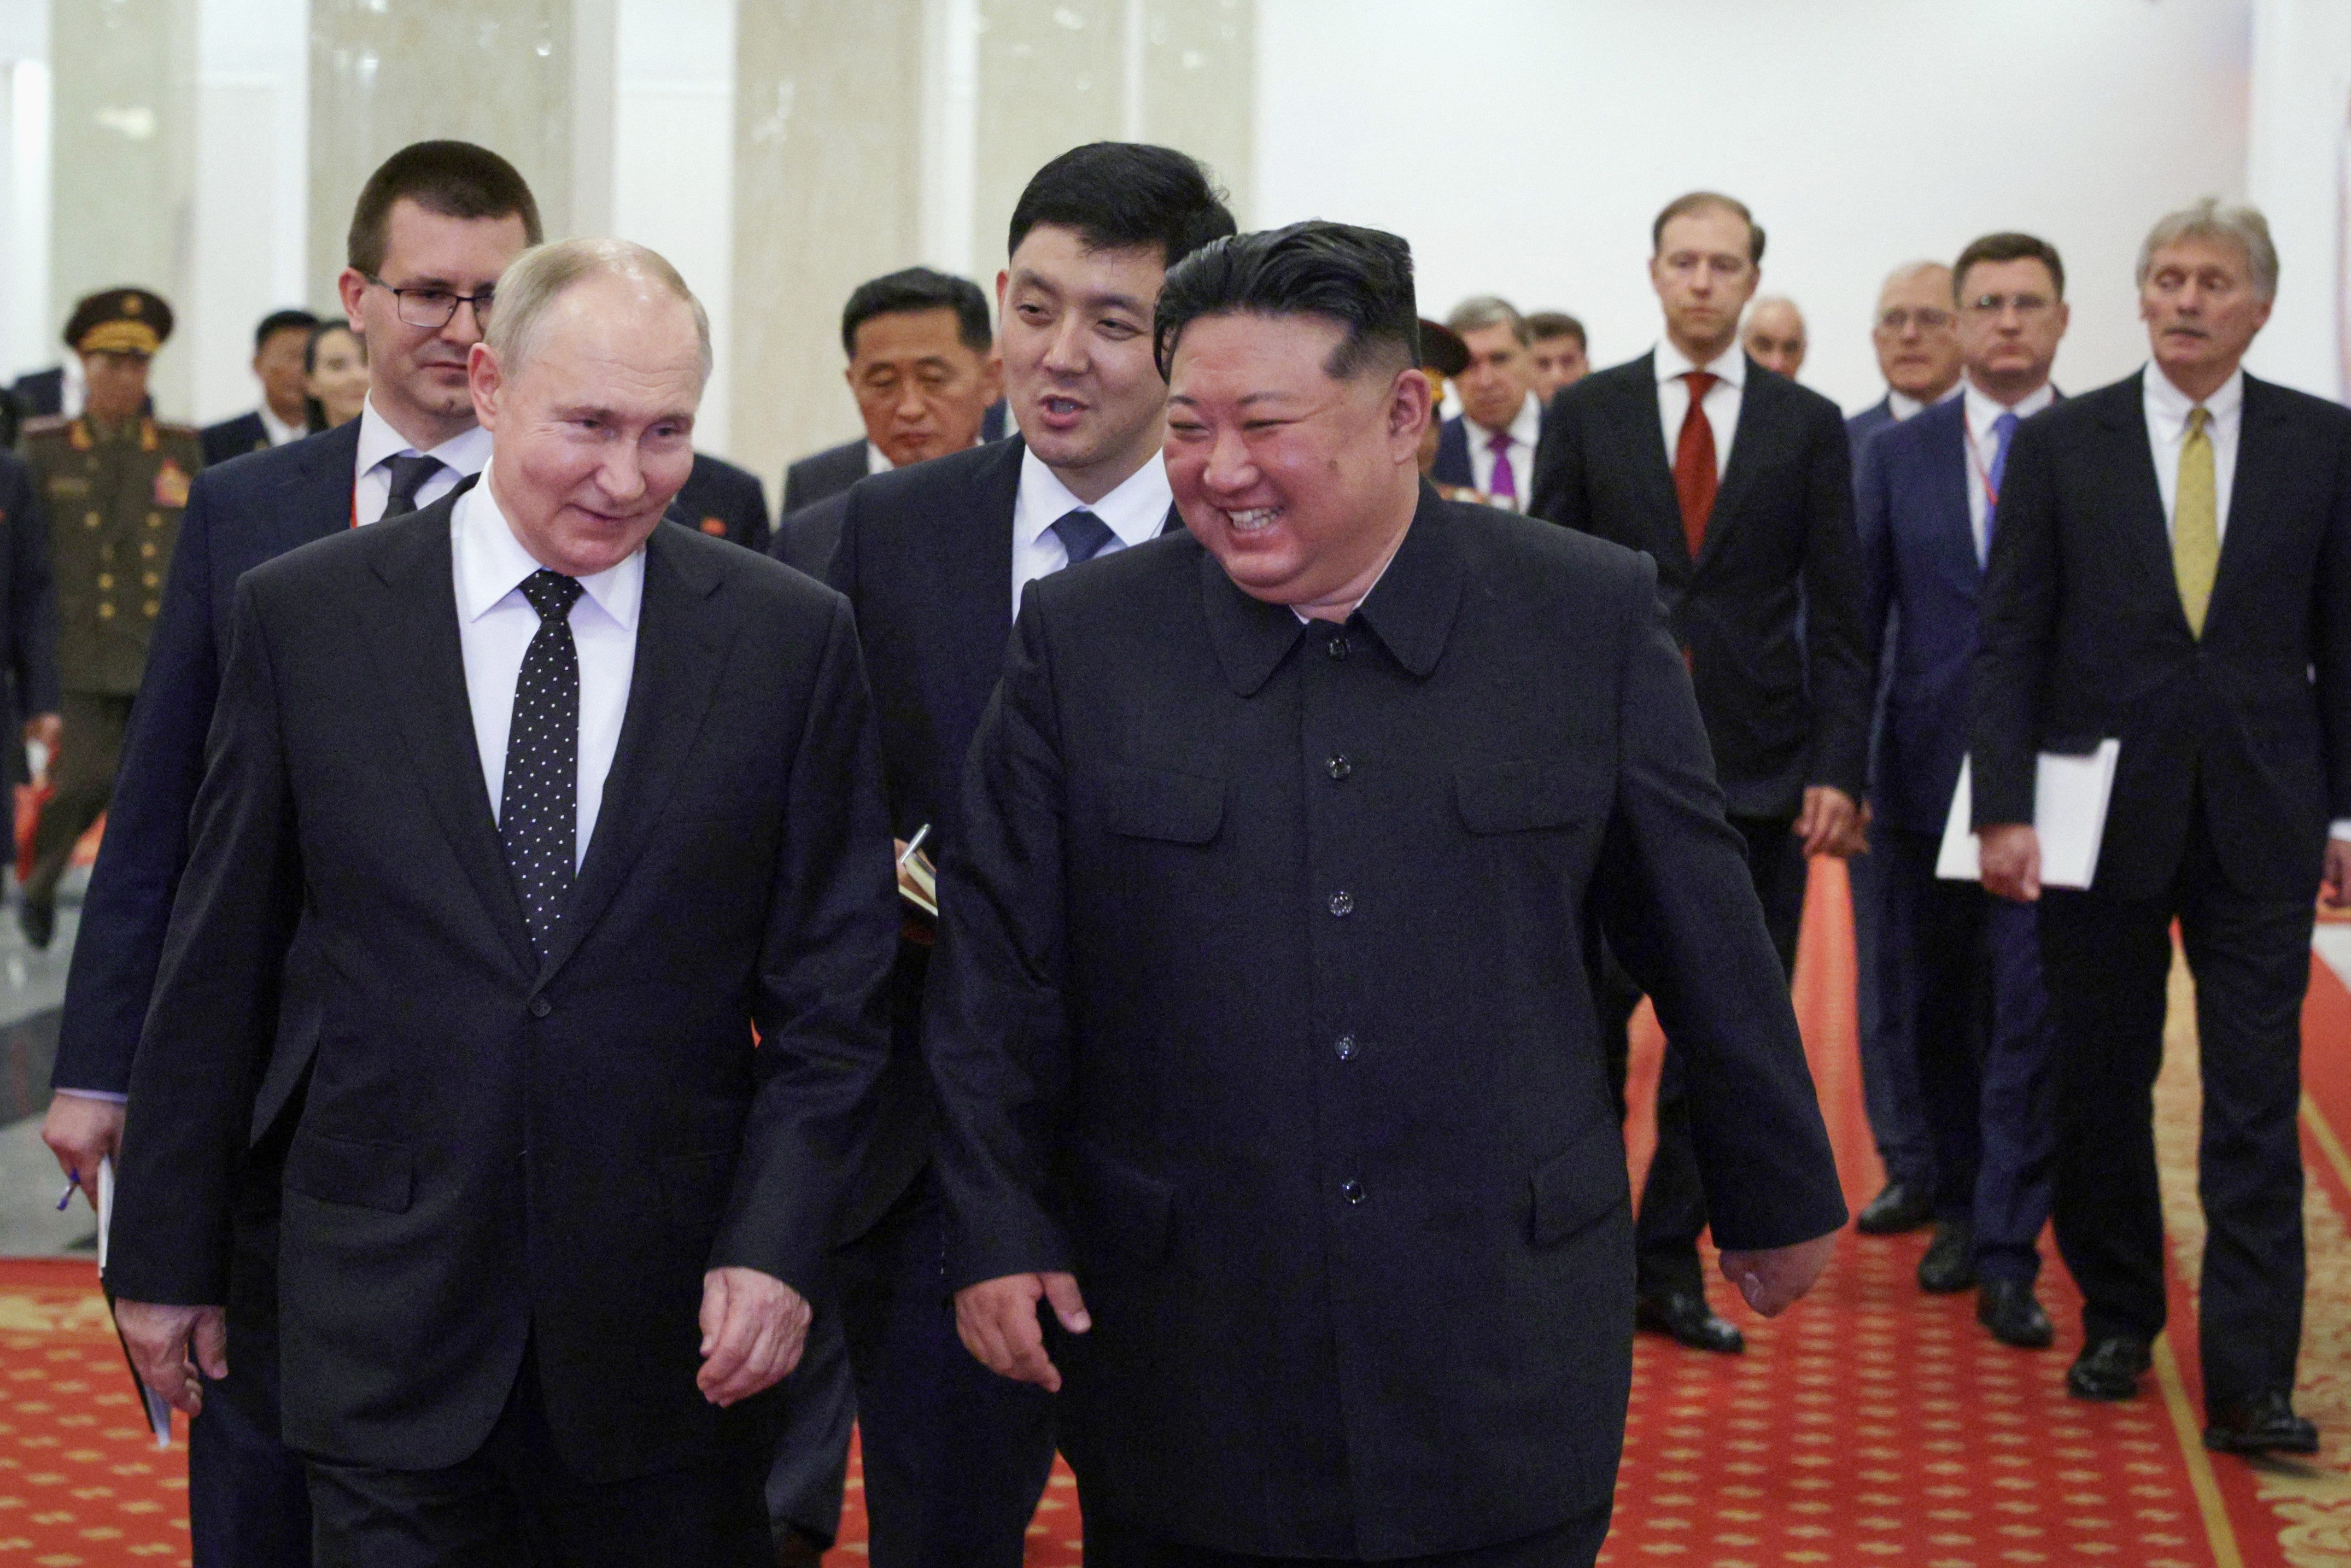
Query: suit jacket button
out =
(540, 1007)
(1353, 1191)
(1345, 1047)
(1343, 904)
(1336, 647)
(1341, 766)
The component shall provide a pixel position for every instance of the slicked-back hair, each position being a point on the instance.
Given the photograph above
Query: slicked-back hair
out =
(454, 179)
(2008, 246)
(1481, 311)
(278, 321)
(919, 289)
(1699, 202)
(536, 279)
(2243, 227)
(1548, 324)
(1123, 195)
(1357, 278)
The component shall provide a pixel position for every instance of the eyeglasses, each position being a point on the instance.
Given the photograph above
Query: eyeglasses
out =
(1927, 318)
(2026, 305)
(434, 307)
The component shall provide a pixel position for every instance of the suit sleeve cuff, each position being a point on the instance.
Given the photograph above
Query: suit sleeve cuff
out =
(111, 1098)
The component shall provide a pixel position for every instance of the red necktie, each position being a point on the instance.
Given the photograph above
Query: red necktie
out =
(1694, 476)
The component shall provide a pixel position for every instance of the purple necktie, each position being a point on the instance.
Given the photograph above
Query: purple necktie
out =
(1504, 485)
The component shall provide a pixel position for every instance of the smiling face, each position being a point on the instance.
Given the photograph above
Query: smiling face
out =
(1074, 326)
(1300, 485)
(1704, 278)
(338, 374)
(593, 433)
(2201, 312)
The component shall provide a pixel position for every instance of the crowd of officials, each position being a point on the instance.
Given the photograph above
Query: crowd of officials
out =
(1239, 1109)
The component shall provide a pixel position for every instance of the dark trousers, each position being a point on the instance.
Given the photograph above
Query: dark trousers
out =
(515, 1501)
(2106, 961)
(1977, 1018)
(249, 1496)
(811, 1468)
(954, 1456)
(83, 774)
(1571, 1545)
(1673, 1201)
(1890, 1065)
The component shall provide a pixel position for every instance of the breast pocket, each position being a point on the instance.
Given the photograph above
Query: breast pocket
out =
(1526, 796)
(1159, 803)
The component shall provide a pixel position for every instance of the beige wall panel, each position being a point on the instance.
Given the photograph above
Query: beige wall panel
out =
(827, 191)
(124, 113)
(385, 73)
(1200, 87)
(1052, 76)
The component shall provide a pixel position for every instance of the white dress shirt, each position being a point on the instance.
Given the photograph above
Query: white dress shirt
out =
(1902, 405)
(1983, 445)
(2166, 431)
(496, 624)
(1523, 434)
(380, 444)
(1722, 399)
(279, 431)
(876, 460)
(1136, 511)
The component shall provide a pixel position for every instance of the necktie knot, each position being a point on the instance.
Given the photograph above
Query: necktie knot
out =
(1498, 443)
(1082, 535)
(409, 474)
(1700, 383)
(552, 595)
(2005, 425)
(2199, 418)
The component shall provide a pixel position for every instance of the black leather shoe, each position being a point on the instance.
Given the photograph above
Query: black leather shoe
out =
(1900, 1207)
(2264, 1424)
(1949, 1265)
(37, 919)
(796, 1548)
(2108, 1369)
(2007, 1308)
(1690, 1319)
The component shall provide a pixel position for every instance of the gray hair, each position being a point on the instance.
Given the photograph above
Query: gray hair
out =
(540, 276)
(1911, 269)
(1481, 311)
(2243, 227)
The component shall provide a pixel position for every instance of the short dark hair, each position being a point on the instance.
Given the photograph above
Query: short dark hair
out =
(454, 179)
(2008, 246)
(1549, 324)
(278, 321)
(1359, 278)
(1698, 202)
(322, 331)
(919, 289)
(1121, 196)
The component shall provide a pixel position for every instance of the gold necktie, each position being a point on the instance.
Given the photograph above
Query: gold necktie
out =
(2196, 522)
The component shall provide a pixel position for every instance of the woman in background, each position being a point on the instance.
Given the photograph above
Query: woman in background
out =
(334, 374)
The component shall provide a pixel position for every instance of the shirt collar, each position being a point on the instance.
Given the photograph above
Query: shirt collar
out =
(492, 563)
(1136, 511)
(280, 432)
(1983, 408)
(2168, 406)
(1731, 365)
(876, 460)
(468, 452)
(1526, 426)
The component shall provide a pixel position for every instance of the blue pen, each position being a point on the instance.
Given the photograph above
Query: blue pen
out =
(73, 1180)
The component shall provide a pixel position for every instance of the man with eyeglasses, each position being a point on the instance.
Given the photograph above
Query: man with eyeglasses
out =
(433, 229)
(1739, 483)
(1915, 334)
(1965, 999)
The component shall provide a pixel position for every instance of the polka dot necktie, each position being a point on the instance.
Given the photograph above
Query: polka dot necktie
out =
(539, 806)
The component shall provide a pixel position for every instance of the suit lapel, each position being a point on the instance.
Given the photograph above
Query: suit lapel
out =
(412, 625)
(1640, 430)
(2264, 423)
(319, 493)
(1749, 432)
(974, 554)
(1950, 475)
(2137, 494)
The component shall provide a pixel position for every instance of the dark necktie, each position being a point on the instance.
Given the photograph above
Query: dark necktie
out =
(539, 806)
(408, 477)
(1082, 535)
(1694, 476)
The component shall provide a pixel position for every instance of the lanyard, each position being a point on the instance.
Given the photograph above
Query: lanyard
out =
(1975, 463)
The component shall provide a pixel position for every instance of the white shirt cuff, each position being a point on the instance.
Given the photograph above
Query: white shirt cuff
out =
(2340, 828)
(109, 1095)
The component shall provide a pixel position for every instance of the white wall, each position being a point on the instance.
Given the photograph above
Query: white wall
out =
(2299, 175)
(251, 212)
(1523, 146)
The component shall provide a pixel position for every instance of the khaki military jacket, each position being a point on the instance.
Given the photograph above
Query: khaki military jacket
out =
(114, 497)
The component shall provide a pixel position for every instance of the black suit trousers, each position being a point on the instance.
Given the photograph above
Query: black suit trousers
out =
(2108, 962)
(1571, 1545)
(1673, 1201)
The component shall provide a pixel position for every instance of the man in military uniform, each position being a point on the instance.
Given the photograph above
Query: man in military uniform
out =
(113, 480)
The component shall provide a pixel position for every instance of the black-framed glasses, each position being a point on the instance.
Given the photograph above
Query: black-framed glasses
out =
(434, 307)
(2026, 305)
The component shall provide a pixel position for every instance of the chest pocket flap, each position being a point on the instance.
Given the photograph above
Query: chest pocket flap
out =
(1519, 797)
(1155, 803)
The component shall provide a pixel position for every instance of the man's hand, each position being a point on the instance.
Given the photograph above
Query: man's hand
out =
(998, 1321)
(1774, 1277)
(1856, 838)
(2336, 888)
(753, 1328)
(2009, 860)
(81, 1132)
(1826, 824)
(167, 1345)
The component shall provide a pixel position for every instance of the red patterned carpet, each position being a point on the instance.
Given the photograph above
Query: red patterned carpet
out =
(1871, 1424)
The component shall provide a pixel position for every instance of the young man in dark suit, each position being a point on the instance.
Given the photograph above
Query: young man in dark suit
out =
(578, 818)
(439, 221)
(933, 558)
(1267, 1061)
(1737, 483)
(1963, 996)
(2171, 568)
(284, 416)
(28, 604)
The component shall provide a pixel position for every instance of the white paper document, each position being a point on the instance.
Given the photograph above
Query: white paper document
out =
(2069, 811)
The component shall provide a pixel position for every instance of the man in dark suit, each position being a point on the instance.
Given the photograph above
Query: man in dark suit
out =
(279, 345)
(2171, 568)
(1918, 353)
(438, 219)
(41, 394)
(28, 601)
(545, 1238)
(1489, 445)
(1965, 997)
(1637, 454)
(923, 367)
(933, 558)
(725, 502)
(1265, 1055)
